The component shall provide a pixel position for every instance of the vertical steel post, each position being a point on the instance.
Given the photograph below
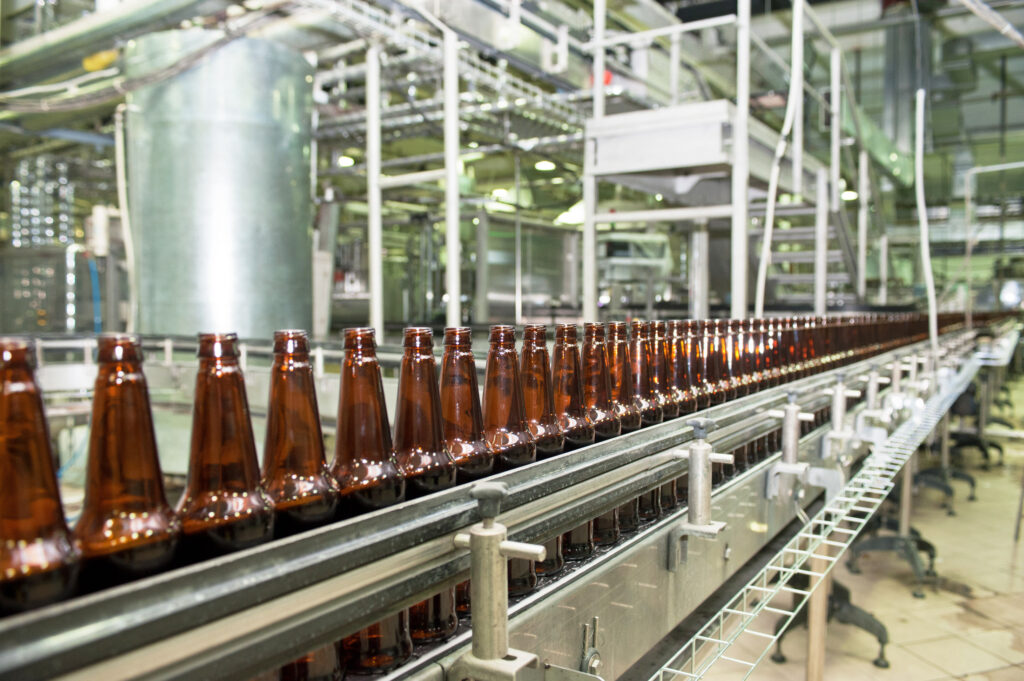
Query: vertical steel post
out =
(741, 164)
(906, 494)
(481, 311)
(796, 74)
(821, 244)
(883, 269)
(374, 204)
(836, 125)
(817, 618)
(673, 68)
(698, 271)
(453, 245)
(600, 11)
(589, 235)
(518, 300)
(863, 188)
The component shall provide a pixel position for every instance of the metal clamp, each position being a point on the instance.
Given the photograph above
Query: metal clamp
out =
(788, 465)
(699, 522)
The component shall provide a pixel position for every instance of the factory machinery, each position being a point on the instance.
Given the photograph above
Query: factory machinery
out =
(627, 611)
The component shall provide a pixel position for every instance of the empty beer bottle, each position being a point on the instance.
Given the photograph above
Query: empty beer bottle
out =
(643, 387)
(424, 462)
(462, 421)
(658, 357)
(505, 428)
(679, 370)
(38, 560)
(419, 447)
(364, 464)
(555, 560)
(126, 528)
(379, 647)
(224, 507)
(578, 543)
(295, 473)
(322, 664)
(538, 397)
(522, 576)
(597, 384)
(568, 388)
(623, 386)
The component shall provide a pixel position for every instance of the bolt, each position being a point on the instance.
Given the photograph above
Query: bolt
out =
(727, 553)
(595, 664)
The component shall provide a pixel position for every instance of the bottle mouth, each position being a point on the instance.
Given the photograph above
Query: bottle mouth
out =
(217, 345)
(289, 341)
(593, 331)
(458, 335)
(565, 333)
(360, 337)
(418, 337)
(535, 333)
(659, 329)
(502, 333)
(618, 330)
(15, 350)
(640, 328)
(118, 347)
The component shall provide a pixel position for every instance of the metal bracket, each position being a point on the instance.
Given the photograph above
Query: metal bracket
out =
(591, 662)
(833, 479)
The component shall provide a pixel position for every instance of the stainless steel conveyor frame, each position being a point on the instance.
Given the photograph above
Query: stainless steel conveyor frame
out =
(235, 616)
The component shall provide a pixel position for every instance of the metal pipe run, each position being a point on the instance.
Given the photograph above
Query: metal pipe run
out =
(374, 204)
(453, 246)
(741, 165)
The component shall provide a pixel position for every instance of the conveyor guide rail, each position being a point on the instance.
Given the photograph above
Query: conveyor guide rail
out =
(826, 537)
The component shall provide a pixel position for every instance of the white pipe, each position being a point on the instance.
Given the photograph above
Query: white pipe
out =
(127, 235)
(600, 10)
(821, 244)
(922, 217)
(518, 274)
(698, 266)
(836, 124)
(883, 269)
(665, 214)
(672, 30)
(374, 205)
(796, 92)
(453, 246)
(741, 165)
(589, 235)
(994, 18)
(863, 187)
(481, 308)
(968, 220)
(673, 68)
(406, 179)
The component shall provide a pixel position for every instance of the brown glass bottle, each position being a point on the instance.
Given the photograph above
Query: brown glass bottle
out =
(126, 528)
(578, 543)
(697, 356)
(419, 447)
(379, 647)
(322, 664)
(522, 576)
(434, 619)
(38, 560)
(555, 560)
(224, 507)
(538, 396)
(597, 384)
(658, 356)
(644, 395)
(424, 462)
(505, 428)
(295, 473)
(621, 367)
(364, 464)
(568, 388)
(462, 421)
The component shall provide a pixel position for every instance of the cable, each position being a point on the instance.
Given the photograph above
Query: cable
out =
(70, 84)
(121, 175)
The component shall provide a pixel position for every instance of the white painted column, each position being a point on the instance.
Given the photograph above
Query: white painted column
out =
(741, 165)
(374, 205)
(821, 199)
(453, 245)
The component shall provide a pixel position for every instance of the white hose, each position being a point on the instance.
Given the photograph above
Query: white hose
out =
(922, 216)
(120, 168)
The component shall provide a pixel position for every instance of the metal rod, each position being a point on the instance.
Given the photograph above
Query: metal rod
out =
(374, 205)
(673, 30)
(453, 245)
(599, 47)
(836, 124)
(741, 165)
(698, 271)
(406, 179)
(817, 617)
(481, 311)
(796, 75)
(673, 68)
(666, 214)
(922, 217)
(883, 270)
(906, 494)
(589, 235)
(864, 184)
(518, 245)
(821, 244)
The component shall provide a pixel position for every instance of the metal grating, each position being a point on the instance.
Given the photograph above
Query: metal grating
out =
(736, 635)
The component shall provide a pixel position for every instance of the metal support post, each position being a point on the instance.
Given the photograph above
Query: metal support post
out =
(817, 615)
(862, 223)
(796, 66)
(453, 245)
(374, 204)
(518, 274)
(698, 271)
(600, 10)
(820, 244)
(836, 124)
(741, 165)
(789, 465)
(906, 494)
(883, 269)
(589, 240)
(673, 67)
(481, 307)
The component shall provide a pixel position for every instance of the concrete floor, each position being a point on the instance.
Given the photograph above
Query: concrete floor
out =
(946, 635)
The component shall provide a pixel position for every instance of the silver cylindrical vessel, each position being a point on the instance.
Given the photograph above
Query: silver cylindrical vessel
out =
(219, 186)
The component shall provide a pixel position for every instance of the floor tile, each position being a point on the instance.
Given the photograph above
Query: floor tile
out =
(1005, 643)
(954, 655)
(1003, 674)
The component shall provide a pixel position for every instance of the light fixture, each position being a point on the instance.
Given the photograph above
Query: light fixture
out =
(893, 156)
(474, 145)
(849, 195)
(658, 197)
(346, 161)
(557, 180)
(544, 166)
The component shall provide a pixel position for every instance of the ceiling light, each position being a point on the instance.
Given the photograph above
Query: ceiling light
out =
(474, 145)
(544, 166)
(849, 195)
(658, 197)
(346, 161)
(557, 180)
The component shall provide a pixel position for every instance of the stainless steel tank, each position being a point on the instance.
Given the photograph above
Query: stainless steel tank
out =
(219, 186)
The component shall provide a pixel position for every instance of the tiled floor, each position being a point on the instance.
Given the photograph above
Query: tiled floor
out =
(946, 635)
